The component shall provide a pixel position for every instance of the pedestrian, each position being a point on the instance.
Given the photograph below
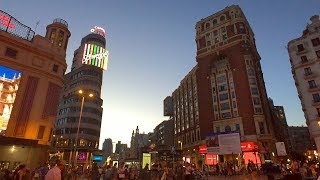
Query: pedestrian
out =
(121, 171)
(20, 173)
(55, 172)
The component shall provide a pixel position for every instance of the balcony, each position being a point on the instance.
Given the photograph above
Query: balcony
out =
(314, 88)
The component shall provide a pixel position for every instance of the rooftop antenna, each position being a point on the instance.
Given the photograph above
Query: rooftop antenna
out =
(35, 29)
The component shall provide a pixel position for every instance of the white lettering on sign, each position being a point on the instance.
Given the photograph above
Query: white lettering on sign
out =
(99, 30)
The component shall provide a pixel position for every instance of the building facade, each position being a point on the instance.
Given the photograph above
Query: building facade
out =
(280, 125)
(304, 53)
(29, 98)
(107, 147)
(163, 133)
(225, 91)
(138, 140)
(300, 139)
(74, 140)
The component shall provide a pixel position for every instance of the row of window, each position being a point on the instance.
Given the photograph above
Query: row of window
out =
(228, 128)
(190, 137)
(88, 120)
(75, 99)
(85, 82)
(315, 42)
(87, 72)
(88, 131)
(71, 143)
(77, 109)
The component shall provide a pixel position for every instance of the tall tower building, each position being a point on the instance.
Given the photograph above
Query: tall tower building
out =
(304, 55)
(225, 91)
(32, 69)
(81, 101)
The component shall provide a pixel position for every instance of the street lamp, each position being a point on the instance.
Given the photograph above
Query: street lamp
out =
(80, 92)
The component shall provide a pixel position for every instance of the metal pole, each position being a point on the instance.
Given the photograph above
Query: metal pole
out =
(77, 136)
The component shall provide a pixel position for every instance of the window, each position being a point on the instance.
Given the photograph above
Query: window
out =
(222, 88)
(252, 81)
(227, 128)
(304, 59)
(312, 84)
(256, 101)
(234, 104)
(261, 128)
(207, 25)
(223, 97)
(60, 38)
(300, 47)
(226, 115)
(224, 37)
(221, 79)
(254, 91)
(208, 43)
(53, 35)
(258, 110)
(318, 54)
(316, 97)
(241, 28)
(223, 29)
(41, 132)
(238, 127)
(222, 18)
(307, 71)
(11, 53)
(55, 68)
(217, 129)
(235, 113)
(214, 22)
(315, 42)
(250, 72)
(224, 106)
(318, 111)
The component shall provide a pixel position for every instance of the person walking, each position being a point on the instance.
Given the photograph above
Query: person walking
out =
(55, 172)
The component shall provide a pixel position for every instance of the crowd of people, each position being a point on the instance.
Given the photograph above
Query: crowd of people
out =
(158, 171)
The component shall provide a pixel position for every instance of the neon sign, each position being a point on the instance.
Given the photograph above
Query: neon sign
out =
(5, 20)
(99, 30)
(95, 55)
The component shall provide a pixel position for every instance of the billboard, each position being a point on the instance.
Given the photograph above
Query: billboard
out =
(95, 55)
(9, 85)
(224, 143)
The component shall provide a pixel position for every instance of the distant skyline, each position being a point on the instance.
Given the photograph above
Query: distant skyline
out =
(152, 47)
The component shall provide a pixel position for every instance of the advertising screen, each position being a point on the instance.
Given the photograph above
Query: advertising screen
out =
(9, 84)
(95, 55)
(97, 158)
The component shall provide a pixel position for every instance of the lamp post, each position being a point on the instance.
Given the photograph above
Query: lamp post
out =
(79, 122)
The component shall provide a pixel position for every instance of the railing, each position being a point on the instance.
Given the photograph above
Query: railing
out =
(11, 25)
(58, 20)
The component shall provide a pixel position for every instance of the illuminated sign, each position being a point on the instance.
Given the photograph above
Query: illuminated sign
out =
(248, 146)
(95, 55)
(9, 84)
(99, 30)
(5, 20)
(97, 158)
(203, 149)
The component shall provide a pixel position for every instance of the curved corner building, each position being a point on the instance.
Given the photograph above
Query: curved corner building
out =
(86, 74)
